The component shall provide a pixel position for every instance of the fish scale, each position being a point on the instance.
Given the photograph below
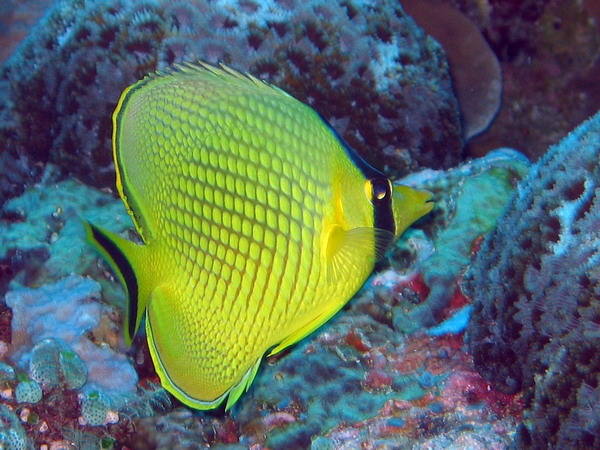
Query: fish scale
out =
(217, 220)
(259, 223)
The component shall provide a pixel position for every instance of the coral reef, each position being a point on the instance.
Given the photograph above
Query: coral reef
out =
(468, 199)
(42, 238)
(508, 26)
(354, 384)
(53, 363)
(536, 321)
(364, 66)
(549, 52)
(62, 334)
(550, 62)
(28, 391)
(95, 409)
(475, 70)
(65, 310)
(12, 434)
(358, 381)
(66, 376)
(16, 19)
(7, 374)
(392, 369)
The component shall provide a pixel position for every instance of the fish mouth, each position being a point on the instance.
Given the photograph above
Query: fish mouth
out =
(425, 196)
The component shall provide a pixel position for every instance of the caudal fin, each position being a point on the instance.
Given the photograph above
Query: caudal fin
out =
(124, 257)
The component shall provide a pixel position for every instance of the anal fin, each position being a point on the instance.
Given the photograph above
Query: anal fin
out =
(305, 330)
(244, 384)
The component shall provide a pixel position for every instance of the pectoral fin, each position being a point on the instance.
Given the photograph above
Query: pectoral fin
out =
(348, 252)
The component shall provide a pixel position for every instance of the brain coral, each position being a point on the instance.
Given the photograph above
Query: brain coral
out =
(536, 282)
(363, 65)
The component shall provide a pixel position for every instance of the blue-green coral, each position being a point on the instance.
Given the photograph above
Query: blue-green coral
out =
(56, 317)
(28, 391)
(12, 434)
(53, 363)
(469, 199)
(45, 239)
(95, 408)
(536, 283)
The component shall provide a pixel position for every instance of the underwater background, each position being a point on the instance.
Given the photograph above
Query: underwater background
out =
(481, 327)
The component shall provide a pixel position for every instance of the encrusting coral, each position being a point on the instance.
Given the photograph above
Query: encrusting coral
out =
(53, 363)
(41, 235)
(64, 377)
(365, 66)
(12, 434)
(536, 283)
(404, 384)
(469, 199)
(28, 391)
(56, 319)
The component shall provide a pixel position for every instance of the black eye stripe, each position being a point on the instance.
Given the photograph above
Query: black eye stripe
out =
(382, 208)
(381, 198)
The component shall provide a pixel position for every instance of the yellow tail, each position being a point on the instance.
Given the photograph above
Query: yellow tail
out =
(123, 256)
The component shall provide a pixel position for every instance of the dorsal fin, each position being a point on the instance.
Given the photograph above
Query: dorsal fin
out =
(208, 73)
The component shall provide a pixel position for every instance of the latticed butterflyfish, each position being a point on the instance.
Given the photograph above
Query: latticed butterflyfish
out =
(258, 224)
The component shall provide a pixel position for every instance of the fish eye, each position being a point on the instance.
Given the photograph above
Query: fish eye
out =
(378, 189)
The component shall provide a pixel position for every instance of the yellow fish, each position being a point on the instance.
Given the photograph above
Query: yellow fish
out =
(258, 221)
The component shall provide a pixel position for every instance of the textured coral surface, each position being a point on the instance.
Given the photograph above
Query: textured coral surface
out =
(359, 381)
(536, 323)
(475, 70)
(365, 66)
